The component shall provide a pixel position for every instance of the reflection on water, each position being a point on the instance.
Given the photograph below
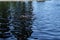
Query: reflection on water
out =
(4, 29)
(22, 21)
(16, 20)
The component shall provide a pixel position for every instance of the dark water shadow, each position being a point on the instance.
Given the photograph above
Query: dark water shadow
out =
(20, 16)
(4, 29)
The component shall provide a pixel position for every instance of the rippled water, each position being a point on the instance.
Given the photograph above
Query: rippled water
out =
(47, 23)
(15, 20)
(46, 26)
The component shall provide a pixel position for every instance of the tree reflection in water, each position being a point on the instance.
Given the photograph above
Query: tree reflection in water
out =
(22, 19)
(4, 29)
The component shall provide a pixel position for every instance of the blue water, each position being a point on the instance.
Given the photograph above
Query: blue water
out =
(47, 23)
(46, 26)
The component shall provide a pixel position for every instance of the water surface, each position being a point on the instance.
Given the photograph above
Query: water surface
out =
(47, 23)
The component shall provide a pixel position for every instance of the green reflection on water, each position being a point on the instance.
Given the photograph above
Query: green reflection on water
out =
(22, 19)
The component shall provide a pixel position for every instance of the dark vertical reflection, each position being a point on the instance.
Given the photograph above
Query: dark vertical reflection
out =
(16, 19)
(23, 20)
(4, 29)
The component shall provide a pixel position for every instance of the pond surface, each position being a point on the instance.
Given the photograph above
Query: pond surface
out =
(46, 26)
(47, 23)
